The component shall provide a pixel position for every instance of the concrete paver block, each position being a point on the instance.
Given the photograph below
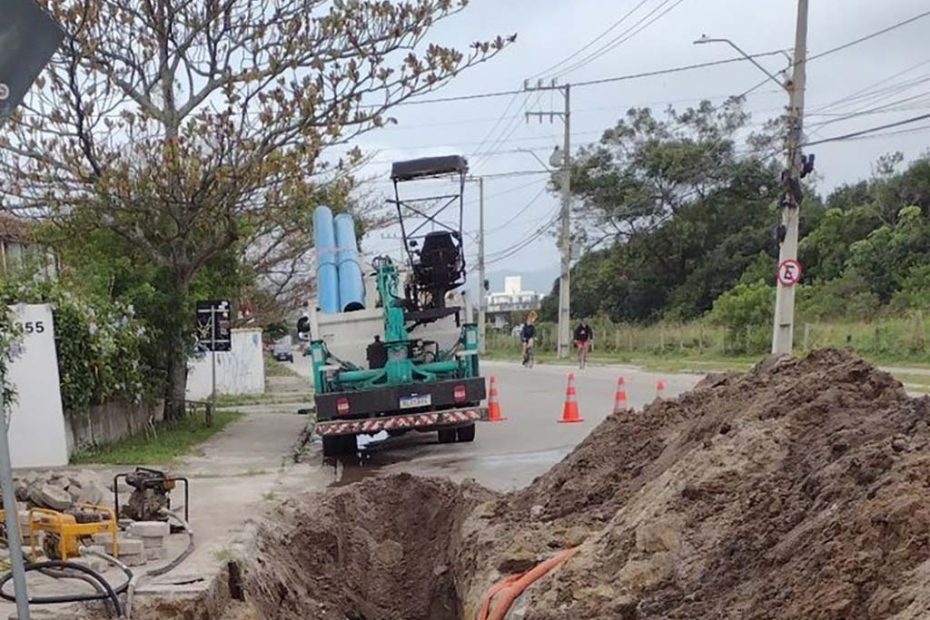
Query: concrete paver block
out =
(92, 493)
(149, 529)
(129, 546)
(94, 564)
(155, 554)
(153, 542)
(50, 496)
(137, 559)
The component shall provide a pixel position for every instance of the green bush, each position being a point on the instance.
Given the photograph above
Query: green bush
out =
(99, 345)
(9, 341)
(743, 311)
(915, 289)
(848, 297)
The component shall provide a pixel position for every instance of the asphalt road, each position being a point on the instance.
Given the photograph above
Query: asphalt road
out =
(510, 454)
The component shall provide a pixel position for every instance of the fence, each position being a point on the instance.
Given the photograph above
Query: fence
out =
(890, 338)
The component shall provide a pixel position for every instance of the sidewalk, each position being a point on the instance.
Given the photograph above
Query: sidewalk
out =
(234, 478)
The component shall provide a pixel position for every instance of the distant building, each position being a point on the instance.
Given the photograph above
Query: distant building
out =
(513, 300)
(18, 245)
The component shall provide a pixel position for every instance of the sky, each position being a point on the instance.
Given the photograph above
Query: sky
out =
(890, 71)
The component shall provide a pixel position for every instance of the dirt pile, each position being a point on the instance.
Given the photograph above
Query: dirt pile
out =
(799, 490)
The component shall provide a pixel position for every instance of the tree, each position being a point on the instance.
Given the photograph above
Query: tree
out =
(885, 258)
(679, 213)
(189, 128)
(645, 169)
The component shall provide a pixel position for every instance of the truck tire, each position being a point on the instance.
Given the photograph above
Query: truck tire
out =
(447, 435)
(339, 445)
(465, 433)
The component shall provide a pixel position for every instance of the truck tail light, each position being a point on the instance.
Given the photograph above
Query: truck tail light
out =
(342, 406)
(459, 394)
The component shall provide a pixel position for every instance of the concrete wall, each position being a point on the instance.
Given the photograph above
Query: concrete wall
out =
(239, 371)
(37, 423)
(109, 423)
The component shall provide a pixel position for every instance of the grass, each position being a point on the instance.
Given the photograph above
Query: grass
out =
(171, 442)
(274, 368)
(269, 398)
(914, 383)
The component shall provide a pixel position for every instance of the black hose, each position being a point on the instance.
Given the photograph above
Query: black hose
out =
(109, 592)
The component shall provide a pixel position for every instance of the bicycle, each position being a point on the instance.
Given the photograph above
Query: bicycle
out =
(529, 354)
(583, 347)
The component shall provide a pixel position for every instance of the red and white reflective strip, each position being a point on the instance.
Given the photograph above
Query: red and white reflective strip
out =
(399, 422)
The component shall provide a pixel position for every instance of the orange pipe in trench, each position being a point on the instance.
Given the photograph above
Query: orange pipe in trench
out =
(512, 587)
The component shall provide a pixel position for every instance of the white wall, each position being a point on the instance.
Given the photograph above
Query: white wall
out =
(239, 371)
(37, 422)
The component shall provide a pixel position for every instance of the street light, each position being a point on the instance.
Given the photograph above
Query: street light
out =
(705, 39)
(555, 163)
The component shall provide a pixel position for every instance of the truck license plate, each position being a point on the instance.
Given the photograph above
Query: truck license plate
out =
(411, 402)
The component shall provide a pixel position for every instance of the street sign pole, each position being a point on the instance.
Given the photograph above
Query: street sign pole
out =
(29, 37)
(213, 322)
(11, 516)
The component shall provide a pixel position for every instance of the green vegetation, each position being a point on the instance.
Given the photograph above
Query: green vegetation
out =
(178, 174)
(679, 214)
(100, 343)
(172, 440)
(274, 368)
(888, 341)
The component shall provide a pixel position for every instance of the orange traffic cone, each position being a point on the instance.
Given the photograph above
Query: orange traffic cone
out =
(620, 396)
(660, 388)
(494, 407)
(570, 413)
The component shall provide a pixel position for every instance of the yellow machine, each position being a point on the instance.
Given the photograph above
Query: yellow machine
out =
(64, 531)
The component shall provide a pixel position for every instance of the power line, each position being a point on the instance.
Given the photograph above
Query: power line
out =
(672, 70)
(625, 36)
(519, 213)
(870, 36)
(620, 78)
(590, 43)
(871, 130)
(865, 92)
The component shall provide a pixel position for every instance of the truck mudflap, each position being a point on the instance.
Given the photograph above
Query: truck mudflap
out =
(412, 421)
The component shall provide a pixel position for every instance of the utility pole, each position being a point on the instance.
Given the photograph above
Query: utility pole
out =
(783, 335)
(565, 232)
(482, 291)
(798, 167)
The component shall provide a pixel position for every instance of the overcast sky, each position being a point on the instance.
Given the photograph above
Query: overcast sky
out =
(488, 131)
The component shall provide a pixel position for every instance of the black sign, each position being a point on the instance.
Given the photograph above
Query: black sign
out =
(28, 38)
(214, 328)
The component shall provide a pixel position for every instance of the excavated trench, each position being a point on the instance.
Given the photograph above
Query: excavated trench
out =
(383, 548)
(797, 490)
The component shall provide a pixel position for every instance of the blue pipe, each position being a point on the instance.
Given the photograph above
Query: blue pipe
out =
(351, 284)
(327, 275)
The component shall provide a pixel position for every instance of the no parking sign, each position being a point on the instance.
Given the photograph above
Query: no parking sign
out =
(789, 272)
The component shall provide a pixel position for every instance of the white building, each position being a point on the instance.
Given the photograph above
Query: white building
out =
(501, 306)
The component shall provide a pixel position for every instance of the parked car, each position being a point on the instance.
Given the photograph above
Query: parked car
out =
(283, 352)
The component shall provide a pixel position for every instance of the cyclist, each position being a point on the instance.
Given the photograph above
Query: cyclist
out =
(584, 336)
(528, 338)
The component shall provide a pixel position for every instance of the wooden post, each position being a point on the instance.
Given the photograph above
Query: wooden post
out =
(807, 336)
(662, 339)
(701, 339)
